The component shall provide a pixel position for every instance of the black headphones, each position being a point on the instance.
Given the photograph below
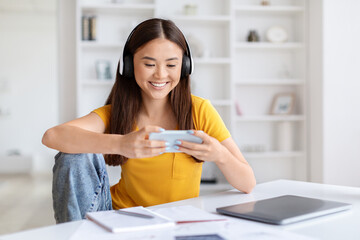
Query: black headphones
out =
(187, 66)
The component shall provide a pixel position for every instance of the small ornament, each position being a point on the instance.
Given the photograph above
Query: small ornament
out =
(190, 9)
(276, 34)
(238, 109)
(253, 36)
(265, 3)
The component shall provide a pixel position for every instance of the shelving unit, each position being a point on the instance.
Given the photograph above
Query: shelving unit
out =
(265, 82)
(92, 93)
(274, 46)
(229, 71)
(271, 68)
(269, 118)
(94, 45)
(270, 9)
(269, 155)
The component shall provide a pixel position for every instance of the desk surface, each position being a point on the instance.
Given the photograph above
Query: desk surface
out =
(344, 225)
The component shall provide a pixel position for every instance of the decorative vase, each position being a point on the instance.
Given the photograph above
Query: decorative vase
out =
(253, 36)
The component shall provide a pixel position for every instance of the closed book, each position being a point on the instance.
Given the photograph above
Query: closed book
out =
(85, 33)
(92, 23)
(118, 221)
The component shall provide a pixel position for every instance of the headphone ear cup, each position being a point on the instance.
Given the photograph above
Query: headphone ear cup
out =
(186, 66)
(128, 67)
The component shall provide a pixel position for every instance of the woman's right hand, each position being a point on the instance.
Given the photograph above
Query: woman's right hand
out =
(137, 144)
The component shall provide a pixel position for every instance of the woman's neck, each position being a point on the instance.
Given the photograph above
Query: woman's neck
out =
(156, 112)
(154, 109)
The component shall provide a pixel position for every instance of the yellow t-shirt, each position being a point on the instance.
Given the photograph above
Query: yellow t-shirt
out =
(170, 176)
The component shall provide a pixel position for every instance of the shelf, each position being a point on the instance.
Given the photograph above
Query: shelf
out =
(269, 82)
(97, 83)
(203, 19)
(270, 9)
(268, 45)
(4, 116)
(270, 118)
(95, 44)
(113, 7)
(221, 102)
(212, 60)
(273, 154)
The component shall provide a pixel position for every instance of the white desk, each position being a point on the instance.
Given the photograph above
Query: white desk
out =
(343, 225)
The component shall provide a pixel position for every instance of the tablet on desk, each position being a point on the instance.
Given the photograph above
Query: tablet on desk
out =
(284, 209)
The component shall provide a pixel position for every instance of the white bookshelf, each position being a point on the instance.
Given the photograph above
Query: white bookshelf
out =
(94, 45)
(115, 7)
(231, 71)
(213, 60)
(266, 45)
(274, 154)
(269, 118)
(97, 83)
(269, 9)
(270, 81)
(271, 68)
(207, 19)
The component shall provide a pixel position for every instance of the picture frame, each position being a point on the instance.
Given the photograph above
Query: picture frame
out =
(283, 104)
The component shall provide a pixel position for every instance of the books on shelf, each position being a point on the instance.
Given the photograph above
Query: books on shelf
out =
(88, 26)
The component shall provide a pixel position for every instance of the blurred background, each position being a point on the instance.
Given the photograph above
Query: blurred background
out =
(283, 74)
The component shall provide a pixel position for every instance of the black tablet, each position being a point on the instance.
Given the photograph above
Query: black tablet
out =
(284, 209)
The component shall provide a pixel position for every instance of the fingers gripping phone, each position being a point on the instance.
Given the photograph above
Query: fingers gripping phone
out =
(171, 136)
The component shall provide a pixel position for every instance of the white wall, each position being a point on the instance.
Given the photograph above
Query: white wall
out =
(315, 130)
(341, 92)
(28, 68)
(338, 73)
(67, 60)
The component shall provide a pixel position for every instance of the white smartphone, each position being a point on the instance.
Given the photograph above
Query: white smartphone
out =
(171, 136)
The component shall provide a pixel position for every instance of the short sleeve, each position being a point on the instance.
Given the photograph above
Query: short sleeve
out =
(104, 113)
(207, 119)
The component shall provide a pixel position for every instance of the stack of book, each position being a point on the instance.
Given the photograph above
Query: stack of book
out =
(88, 26)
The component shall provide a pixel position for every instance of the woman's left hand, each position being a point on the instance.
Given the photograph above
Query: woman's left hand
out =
(210, 150)
(227, 157)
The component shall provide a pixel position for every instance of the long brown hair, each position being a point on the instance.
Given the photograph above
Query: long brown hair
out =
(125, 96)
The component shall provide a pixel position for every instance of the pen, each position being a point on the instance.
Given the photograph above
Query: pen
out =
(134, 214)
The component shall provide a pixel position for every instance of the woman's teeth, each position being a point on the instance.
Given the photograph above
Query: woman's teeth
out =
(158, 84)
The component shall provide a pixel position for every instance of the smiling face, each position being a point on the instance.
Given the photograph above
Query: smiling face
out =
(157, 68)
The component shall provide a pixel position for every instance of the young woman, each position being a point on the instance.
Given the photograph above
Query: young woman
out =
(150, 95)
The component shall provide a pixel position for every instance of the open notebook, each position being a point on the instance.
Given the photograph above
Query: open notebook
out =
(188, 214)
(115, 221)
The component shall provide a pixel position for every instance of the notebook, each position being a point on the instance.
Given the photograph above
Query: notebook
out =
(189, 214)
(284, 209)
(116, 221)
